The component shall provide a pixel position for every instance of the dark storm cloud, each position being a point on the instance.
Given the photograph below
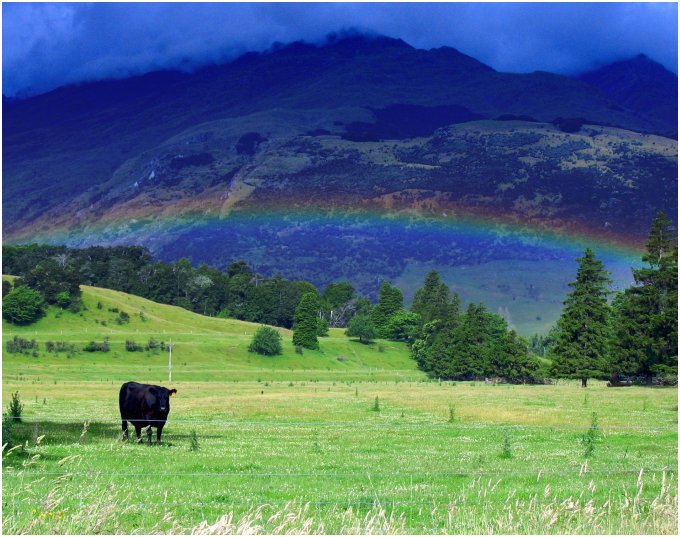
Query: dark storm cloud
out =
(50, 44)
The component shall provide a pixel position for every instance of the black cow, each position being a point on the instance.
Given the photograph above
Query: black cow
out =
(144, 405)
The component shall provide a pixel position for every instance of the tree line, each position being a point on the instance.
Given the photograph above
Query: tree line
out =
(633, 334)
(56, 272)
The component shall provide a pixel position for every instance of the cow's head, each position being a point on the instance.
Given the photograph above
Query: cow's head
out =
(163, 398)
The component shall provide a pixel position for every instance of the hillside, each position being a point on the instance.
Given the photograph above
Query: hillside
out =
(204, 348)
(64, 143)
(363, 159)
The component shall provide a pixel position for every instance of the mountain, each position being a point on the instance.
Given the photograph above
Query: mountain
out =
(639, 84)
(363, 158)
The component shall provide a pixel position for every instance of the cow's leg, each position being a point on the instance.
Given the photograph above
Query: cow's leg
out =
(148, 435)
(138, 431)
(125, 430)
(159, 430)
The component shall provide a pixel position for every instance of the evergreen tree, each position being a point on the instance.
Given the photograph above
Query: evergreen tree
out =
(645, 324)
(306, 323)
(432, 300)
(390, 301)
(582, 342)
(474, 338)
(510, 359)
(461, 347)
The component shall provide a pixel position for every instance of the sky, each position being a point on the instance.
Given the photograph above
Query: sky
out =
(46, 45)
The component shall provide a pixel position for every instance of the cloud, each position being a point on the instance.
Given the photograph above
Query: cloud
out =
(50, 44)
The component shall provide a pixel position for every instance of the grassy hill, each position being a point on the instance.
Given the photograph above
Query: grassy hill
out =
(204, 348)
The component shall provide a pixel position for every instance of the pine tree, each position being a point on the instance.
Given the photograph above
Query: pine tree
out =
(645, 324)
(510, 359)
(390, 301)
(431, 301)
(581, 347)
(306, 324)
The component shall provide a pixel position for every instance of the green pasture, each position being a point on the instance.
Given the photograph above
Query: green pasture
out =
(294, 443)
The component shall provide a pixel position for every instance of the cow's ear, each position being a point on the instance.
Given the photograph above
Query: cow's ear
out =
(173, 392)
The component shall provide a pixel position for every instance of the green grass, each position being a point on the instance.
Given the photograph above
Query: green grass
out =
(204, 348)
(292, 444)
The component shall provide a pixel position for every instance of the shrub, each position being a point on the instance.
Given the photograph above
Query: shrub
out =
(23, 305)
(21, 345)
(376, 405)
(15, 407)
(60, 346)
(298, 349)
(123, 318)
(132, 346)
(63, 299)
(94, 346)
(152, 345)
(75, 305)
(266, 341)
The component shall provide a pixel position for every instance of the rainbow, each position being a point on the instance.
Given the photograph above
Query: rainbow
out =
(150, 230)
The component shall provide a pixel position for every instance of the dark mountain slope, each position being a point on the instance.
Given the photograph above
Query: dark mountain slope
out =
(641, 85)
(58, 145)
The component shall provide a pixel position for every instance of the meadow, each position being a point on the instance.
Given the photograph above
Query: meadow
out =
(348, 439)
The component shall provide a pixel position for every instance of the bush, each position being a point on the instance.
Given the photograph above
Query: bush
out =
(63, 299)
(123, 318)
(21, 345)
(132, 346)
(266, 341)
(60, 346)
(94, 346)
(23, 305)
(152, 345)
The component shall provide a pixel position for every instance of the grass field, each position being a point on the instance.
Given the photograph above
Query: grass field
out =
(294, 444)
